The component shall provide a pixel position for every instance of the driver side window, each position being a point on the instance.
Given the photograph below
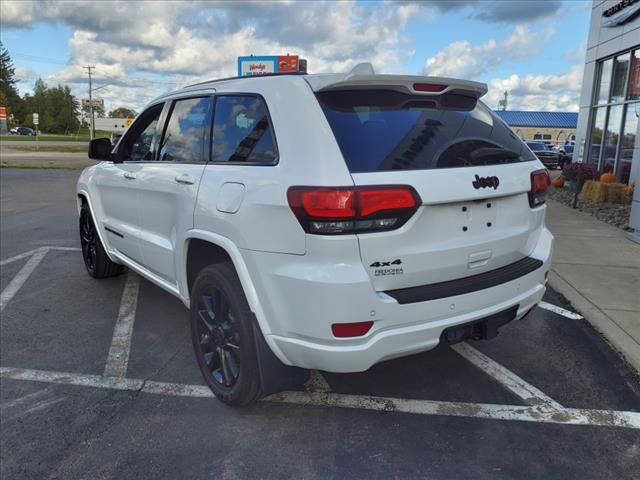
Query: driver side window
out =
(139, 143)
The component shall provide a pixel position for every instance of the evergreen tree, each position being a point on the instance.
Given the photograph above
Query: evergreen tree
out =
(8, 93)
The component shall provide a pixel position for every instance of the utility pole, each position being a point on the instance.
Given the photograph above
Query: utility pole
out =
(503, 103)
(92, 124)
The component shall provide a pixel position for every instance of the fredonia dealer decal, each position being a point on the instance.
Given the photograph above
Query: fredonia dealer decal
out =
(387, 268)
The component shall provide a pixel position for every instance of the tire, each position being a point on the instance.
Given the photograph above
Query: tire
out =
(222, 336)
(96, 261)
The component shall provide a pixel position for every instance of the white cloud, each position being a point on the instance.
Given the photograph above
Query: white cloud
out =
(133, 44)
(559, 92)
(141, 49)
(462, 59)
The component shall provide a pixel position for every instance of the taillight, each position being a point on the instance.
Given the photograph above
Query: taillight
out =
(540, 183)
(428, 87)
(342, 210)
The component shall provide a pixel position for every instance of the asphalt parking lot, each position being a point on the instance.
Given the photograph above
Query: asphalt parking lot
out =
(546, 399)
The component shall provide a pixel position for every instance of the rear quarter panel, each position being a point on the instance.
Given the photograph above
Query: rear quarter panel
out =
(308, 155)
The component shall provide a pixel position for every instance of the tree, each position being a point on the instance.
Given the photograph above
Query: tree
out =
(58, 109)
(8, 93)
(122, 112)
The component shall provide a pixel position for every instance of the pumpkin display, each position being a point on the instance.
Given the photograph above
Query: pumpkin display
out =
(607, 178)
(558, 182)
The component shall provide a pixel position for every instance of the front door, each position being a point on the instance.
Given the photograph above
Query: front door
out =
(117, 186)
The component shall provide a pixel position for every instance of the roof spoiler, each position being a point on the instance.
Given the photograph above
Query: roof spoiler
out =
(363, 77)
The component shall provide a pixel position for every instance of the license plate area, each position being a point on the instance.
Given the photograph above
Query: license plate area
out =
(483, 329)
(477, 216)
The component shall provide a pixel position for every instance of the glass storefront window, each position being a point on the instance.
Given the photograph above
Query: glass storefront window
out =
(619, 82)
(628, 141)
(605, 81)
(634, 78)
(616, 115)
(596, 135)
(611, 137)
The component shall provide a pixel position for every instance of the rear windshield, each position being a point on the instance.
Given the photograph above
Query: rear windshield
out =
(384, 130)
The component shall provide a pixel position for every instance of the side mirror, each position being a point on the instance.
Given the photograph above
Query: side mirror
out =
(100, 149)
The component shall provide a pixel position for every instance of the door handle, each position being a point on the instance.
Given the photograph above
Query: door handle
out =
(129, 175)
(185, 178)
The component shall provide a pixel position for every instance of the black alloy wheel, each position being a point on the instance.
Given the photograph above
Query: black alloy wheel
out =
(223, 335)
(88, 242)
(219, 340)
(96, 260)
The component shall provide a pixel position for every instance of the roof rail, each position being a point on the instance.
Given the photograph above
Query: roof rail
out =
(250, 76)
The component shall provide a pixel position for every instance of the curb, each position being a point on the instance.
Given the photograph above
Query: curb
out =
(616, 336)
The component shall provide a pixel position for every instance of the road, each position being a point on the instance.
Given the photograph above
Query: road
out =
(546, 399)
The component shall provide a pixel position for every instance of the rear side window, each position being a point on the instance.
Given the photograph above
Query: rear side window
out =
(242, 131)
(383, 130)
(184, 136)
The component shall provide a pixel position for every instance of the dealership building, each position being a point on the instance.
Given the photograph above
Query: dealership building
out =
(608, 134)
(557, 128)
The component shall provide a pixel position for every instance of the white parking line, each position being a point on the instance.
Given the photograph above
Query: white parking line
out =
(560, 311)
(539, 414)
(20, 256)
(21, 277)
(507, 378)
(118, 358)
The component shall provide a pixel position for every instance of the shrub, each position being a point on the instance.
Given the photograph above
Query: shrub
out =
(572, 171)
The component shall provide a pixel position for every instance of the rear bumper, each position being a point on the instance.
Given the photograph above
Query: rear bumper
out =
(301, 304)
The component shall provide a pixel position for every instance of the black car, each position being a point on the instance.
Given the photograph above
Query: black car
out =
(26, 131)
(550, 158)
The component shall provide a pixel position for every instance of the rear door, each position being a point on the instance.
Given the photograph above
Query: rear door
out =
(168, 184)
(470, 170)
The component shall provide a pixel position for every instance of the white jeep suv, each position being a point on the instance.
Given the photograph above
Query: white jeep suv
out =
(321, 221)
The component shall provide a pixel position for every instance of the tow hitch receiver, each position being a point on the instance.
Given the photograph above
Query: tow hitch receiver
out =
(482, 329)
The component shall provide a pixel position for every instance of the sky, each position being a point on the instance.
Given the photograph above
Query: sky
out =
(534, 50)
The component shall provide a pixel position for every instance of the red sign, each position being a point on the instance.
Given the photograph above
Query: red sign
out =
(3, 113)
(287, 63)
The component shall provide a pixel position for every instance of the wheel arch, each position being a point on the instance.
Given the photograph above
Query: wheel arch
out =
(203, 248)
(82, 198)
(219, 248)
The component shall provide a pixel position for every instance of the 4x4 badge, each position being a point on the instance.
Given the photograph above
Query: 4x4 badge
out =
(485, 182)
(386, 264)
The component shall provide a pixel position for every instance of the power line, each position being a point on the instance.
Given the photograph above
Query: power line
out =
(132, 80)
(36, 58)
(137, 79)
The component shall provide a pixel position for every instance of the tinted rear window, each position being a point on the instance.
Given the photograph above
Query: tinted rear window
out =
(382, 130)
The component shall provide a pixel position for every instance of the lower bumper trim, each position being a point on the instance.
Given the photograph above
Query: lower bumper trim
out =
(464, 285)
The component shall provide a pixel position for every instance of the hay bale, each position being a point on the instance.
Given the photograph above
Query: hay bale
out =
(599, 192)
(588, 189)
